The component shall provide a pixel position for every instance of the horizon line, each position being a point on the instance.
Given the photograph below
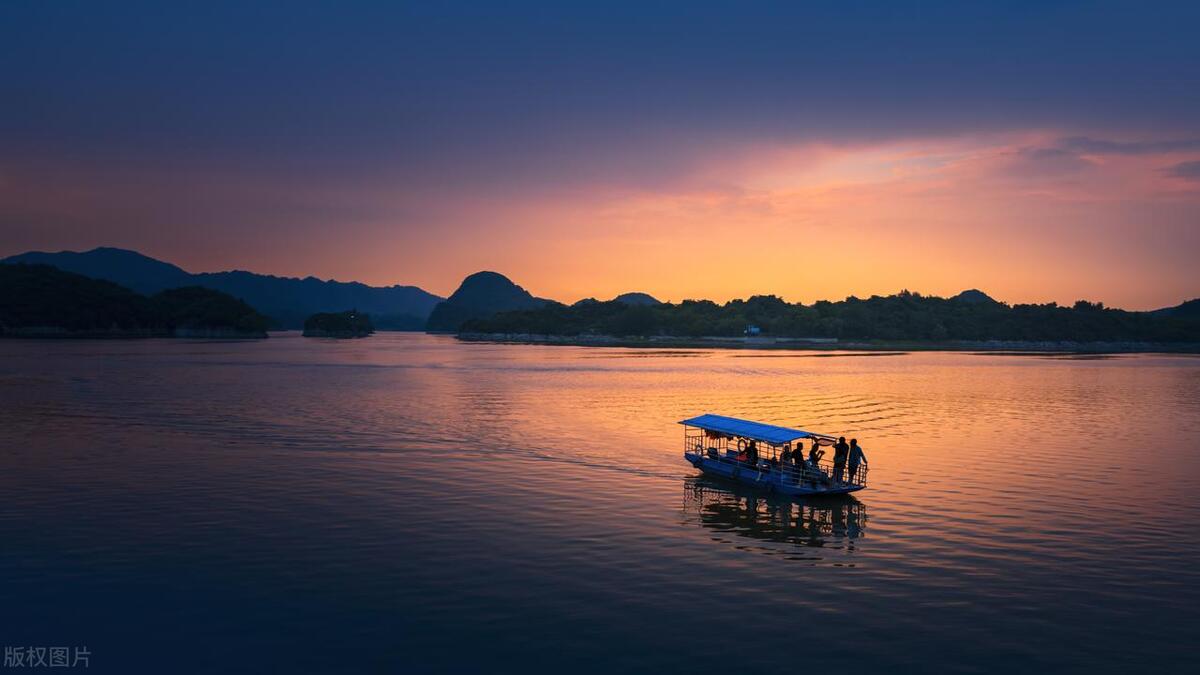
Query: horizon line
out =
(593, 297)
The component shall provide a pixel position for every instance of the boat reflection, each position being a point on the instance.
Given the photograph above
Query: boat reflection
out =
(729, 509)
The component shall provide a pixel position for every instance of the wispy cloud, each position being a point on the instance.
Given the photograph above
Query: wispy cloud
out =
(1099, 146)
(1185, 170)
(1037, 162)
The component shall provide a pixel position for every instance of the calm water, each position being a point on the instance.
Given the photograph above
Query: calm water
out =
(407, 503)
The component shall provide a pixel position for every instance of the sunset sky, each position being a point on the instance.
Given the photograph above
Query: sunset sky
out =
(1039, 151)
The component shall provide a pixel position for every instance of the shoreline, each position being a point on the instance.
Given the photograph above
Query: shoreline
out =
(833, 344)
(57, 333)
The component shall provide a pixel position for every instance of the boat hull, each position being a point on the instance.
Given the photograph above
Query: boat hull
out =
(768, 481)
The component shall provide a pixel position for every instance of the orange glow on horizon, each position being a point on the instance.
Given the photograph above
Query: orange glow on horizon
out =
(826, 223)
(1010, 214)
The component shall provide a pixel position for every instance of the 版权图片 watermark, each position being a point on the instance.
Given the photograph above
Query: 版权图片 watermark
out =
(46, 657)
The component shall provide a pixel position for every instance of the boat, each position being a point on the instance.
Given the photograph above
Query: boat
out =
(751, 453)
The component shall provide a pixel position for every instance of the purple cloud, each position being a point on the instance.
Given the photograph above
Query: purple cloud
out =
(1100, 146)
(1185, 170)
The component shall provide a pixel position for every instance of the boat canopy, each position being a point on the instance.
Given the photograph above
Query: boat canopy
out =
(767, 433)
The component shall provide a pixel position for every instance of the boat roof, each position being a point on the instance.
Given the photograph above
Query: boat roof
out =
(767, 433)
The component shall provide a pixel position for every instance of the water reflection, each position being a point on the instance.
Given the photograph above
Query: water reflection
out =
(323, 500)
(797, 523)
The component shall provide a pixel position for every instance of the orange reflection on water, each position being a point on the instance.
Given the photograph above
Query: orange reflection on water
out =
(989, 442)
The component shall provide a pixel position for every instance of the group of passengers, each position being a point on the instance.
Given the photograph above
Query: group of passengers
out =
(844, 456)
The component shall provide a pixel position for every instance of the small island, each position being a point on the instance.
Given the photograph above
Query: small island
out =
(342, 325)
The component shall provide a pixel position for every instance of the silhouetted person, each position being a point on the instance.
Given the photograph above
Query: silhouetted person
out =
(840, 452)
(815, 455)
(856, 456)
(752, 453)
(813, 470)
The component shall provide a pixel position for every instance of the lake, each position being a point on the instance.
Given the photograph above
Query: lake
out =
(409, 503)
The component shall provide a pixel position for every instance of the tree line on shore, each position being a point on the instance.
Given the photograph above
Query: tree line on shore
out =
(349, 324)
(903, 316)
(43, 300)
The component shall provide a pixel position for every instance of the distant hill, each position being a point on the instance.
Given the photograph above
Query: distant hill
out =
(287, 301)
(637, 299)
(44, 301)
(632, 299)
(480, 296)
(195, 311)
(1187, 310)
(130, 269)
(974, 297)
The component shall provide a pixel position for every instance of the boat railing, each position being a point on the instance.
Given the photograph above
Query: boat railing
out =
(822, 474)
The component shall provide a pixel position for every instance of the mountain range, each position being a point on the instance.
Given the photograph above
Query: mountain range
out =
(286, 300)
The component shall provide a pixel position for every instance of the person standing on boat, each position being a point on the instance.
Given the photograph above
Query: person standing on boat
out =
(840, 452)
(856, 457)
(752, 452)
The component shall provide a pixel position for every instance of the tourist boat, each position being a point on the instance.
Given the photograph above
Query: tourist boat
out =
(719, 445)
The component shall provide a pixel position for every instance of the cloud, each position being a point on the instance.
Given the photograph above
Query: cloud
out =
(1048, 161)
(1100, 146)
(1185, 170)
